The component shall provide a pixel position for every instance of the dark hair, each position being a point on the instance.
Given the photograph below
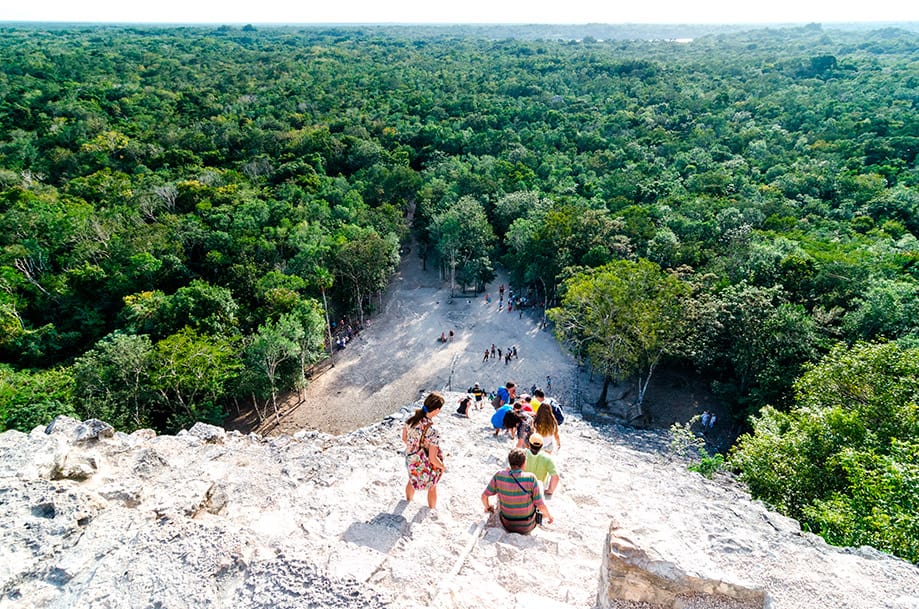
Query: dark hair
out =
(511, 420)
(510, 384)
(539, 393)
(434, 401)
(516, 458)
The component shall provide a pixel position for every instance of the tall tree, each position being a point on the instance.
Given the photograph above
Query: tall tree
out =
(274, 344)
(307, 316)
(462, 236)
(191, 373)
(365, 264)
(626, 316)
(112, 381)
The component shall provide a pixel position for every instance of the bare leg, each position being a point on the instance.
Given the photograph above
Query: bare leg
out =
(432, 497)
(409, 491)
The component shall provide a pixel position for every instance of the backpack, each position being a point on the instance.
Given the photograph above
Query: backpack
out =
(496, 401)
(557, 411)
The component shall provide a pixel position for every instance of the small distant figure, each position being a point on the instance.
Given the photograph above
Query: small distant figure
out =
(451, 335)
(493, 349)
(443, 337)
(487, 298)
(479, 394)
(711, 420)
(514, 351)
(706, 418)
(499, 354)
(548, 382)
(485, 358)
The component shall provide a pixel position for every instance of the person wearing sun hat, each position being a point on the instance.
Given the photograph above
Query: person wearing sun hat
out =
(541, 464)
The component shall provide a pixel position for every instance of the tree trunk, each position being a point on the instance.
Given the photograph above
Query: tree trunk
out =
(643, 387)
(360, 305)
(274, 402)
(601, 401)
(258, 413)
(545, 301)
(301, 391)
(328, 324)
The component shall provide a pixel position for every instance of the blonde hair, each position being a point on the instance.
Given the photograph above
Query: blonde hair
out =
(544, 423)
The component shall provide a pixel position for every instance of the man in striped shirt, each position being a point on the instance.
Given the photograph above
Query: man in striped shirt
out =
(519, 495)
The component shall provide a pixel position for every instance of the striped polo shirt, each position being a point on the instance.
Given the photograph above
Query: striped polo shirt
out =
(516, 503)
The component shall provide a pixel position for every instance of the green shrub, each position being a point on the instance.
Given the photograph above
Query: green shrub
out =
(844, 461)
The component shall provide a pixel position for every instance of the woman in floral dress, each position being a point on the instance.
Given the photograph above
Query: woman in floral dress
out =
(423, 457)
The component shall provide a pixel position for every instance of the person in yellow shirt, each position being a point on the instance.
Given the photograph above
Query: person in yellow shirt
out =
(539, 397)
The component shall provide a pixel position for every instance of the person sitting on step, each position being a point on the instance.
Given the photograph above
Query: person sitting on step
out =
(519, 496)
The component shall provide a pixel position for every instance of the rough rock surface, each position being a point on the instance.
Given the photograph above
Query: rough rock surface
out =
(214, 519)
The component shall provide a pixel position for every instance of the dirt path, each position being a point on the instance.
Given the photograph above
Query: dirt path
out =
(398, 357)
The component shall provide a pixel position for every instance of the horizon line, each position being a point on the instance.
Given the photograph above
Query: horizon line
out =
(454, 23)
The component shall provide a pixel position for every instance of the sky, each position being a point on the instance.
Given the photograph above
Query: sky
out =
(462, 11)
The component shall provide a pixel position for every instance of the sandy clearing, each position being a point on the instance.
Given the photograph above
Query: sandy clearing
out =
(397, 357)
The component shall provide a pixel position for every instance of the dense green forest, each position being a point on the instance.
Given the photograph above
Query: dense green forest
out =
(183, 210)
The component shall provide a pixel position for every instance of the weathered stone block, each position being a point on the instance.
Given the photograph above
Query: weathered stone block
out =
(644, 575)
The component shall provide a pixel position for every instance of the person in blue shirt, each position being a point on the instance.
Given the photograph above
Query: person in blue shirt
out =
(497, 419)
(506, 394)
